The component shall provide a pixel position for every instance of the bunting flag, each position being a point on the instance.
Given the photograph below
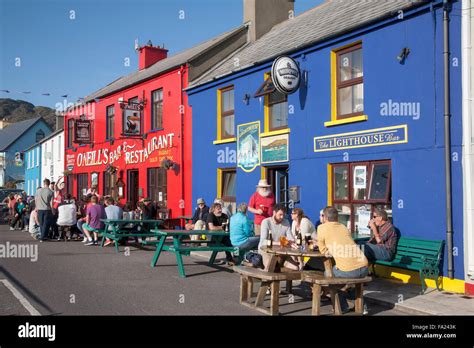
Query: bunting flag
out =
(46, 94)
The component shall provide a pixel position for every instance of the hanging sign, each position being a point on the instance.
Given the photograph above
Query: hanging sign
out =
(132, 118)
(82, 131)
(286, 75)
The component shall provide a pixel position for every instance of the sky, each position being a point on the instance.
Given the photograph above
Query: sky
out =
(75, 47)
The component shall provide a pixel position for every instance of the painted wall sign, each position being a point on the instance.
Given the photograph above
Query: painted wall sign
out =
(275, 149)
(70, 160)
(286, 75)
(132, 118)
(82, 131)
(131, 153)
(248, 146)
(371, 137)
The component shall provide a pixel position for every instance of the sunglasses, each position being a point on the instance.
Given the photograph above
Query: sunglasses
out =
(375, 216)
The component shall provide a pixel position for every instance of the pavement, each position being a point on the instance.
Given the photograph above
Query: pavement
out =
(68, 278)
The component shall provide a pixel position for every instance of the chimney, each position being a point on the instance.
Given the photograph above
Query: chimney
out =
(149, 55)
(59, 122)
(3, 124)
(264, 14)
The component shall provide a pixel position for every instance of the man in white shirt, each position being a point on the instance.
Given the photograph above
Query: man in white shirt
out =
(67, 216)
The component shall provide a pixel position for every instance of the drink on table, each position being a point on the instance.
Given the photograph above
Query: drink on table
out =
(283, 241)
(299, 239)
(269, 240)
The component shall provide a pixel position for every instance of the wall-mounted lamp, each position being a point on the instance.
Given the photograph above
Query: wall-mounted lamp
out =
(305, 77)
(246, 99)
(403, 55)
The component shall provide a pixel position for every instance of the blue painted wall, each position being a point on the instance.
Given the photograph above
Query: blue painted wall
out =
(417, 167)
(33, 170)
(23, 142)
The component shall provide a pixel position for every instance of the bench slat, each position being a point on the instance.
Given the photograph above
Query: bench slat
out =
(317, 278)
(264, 275)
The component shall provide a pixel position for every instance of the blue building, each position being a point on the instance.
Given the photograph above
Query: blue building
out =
(32, 169)
(14, 139)
(364, 129)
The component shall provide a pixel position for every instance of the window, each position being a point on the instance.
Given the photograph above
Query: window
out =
(157, 109)
(82, 184)
(227, 179)
(45, 151)
(59, 149)
(52, 150)
(157, 186)
(39, 135)
(357, 189)
(70, 186)
(277, 111)
(37, 156)
(226, 118)
(95, 179)
(70, 131)
(28, 164)
(110, 181)
(110, 115)
(349, 82)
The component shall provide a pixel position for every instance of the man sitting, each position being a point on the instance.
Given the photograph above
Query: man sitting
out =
(215, 221)
(335, 240)
(93, 223)
(383, 245)
(199, 218)
(67, 216)
(113, 212)
(279, 226)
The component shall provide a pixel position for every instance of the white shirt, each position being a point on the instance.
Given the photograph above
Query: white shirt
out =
(67, 215)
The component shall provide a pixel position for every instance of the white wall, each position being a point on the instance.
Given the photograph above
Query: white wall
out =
(52, 161)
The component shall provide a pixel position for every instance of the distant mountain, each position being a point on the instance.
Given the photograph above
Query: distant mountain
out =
(20, 110)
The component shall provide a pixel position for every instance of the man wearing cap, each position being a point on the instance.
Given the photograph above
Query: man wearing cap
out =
(261, 204)
(200, 216)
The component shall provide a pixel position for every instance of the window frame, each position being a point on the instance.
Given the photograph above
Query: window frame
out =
(158, 172)
(70, 132)
(221, 114)
(109, 131)
(348, 83)
(220, 181)
(152, 111)
(108, 178)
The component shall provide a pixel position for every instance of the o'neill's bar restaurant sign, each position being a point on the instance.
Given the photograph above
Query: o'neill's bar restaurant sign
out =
(371, 137)
(131, 154)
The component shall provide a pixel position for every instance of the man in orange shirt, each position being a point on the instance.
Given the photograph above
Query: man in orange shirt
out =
(261, 204)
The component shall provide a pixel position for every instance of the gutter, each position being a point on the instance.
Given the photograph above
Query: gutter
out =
(447, 138)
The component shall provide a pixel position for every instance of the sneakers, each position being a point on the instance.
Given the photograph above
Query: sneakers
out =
(84, 240)
(108, 242)
(12, 229)
(90, 242)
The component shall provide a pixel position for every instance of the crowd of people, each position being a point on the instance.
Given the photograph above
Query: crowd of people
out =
(52, 214)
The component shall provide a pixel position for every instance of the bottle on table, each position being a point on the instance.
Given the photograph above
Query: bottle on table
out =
(269, 239)
(299, 239)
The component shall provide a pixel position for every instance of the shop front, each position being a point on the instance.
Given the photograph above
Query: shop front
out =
(361, 129)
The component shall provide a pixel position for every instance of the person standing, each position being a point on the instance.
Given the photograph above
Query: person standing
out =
(44, 205)
(261, 204)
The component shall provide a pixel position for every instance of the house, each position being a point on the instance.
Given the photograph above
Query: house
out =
(14, 139)
(356, 105)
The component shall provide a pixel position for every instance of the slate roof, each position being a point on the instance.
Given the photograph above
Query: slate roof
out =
(161, 66)
(331, 18)
(49, 136)
(12, 132)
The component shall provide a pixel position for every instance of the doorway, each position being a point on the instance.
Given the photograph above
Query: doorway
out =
(278, 178)
(132, 184)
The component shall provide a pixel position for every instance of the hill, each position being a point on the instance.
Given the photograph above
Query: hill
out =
(20, 110)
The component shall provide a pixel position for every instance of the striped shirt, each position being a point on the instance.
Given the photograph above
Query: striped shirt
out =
(388, 238)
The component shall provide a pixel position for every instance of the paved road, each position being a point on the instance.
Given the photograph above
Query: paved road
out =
(69, 278)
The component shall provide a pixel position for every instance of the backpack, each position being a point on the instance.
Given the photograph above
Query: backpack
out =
(255, 259)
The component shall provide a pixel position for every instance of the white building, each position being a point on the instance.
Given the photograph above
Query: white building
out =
(52, 153)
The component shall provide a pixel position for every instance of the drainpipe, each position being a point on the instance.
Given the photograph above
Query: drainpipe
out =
(447, 138)
(181, 73)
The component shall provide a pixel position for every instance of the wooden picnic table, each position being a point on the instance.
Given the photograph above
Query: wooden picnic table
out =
(215, 244)
(116, 229)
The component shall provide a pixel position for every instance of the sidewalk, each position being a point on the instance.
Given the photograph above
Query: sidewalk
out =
(403, 297)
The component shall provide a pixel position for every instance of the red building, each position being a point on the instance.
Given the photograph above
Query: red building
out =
(132, 138)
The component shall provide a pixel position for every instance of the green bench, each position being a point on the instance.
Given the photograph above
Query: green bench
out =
(420, 255)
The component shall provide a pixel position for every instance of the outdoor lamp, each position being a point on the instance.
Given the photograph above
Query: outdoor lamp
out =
(403, 55)
(246, 99)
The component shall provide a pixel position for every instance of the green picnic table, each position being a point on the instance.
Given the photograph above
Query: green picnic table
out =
(116, 229)
(179, 237)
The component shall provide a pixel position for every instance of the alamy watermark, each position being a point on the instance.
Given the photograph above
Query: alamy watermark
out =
(404, 109)
(21, 251)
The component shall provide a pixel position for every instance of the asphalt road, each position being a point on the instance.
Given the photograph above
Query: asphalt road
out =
(69, 278)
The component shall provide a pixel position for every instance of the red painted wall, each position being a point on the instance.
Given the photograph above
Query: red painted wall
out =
(179, 181)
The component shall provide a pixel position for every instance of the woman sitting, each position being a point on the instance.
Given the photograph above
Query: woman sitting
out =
(241, 233)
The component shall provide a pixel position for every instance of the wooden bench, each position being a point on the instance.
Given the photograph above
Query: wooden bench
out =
(319, 280)
(269, 280)
(420, 255)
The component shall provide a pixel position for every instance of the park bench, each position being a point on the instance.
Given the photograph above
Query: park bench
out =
(419, 255)
(268, 280)
(318, 280)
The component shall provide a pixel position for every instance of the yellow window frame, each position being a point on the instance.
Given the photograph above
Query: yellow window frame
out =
(334, 121)
(266, 116)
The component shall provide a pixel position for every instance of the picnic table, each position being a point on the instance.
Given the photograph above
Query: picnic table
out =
(183, 245)
(116, 229)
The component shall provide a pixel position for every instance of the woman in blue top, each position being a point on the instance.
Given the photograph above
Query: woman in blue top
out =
(241, 233)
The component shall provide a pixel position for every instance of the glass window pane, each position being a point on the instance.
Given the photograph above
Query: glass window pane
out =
(276, 97)
(228, 127)
(359, 185)
(228, 182)
(279, 115)
(362, 216)
(351, 99)
(350, 65)
(228, 100)
(344, 215)
(379, 181)
(341, 179)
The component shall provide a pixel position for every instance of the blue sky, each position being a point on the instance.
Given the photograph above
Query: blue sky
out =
(60, 55)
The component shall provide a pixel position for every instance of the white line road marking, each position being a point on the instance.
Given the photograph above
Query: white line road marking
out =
(28, 306)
